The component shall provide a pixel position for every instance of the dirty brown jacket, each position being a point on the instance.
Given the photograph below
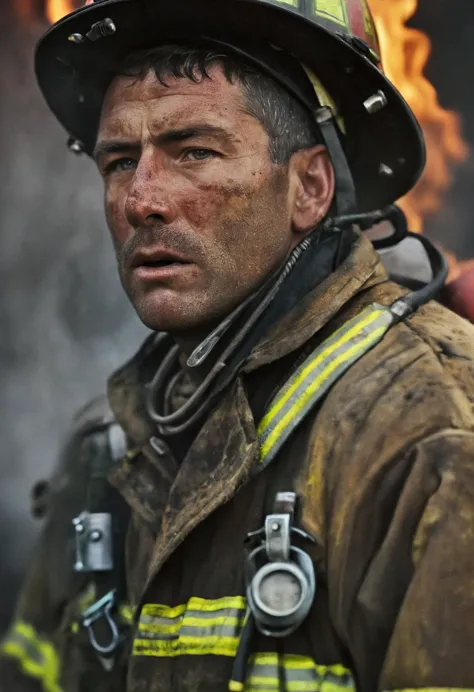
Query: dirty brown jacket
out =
(385, 475)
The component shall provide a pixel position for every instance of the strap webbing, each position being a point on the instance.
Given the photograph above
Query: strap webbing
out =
(317, 374)
(104, 498)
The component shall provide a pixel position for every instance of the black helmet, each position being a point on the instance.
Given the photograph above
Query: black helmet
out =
(377, 147)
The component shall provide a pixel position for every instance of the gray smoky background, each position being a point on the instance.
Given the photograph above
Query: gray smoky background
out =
(65, 323)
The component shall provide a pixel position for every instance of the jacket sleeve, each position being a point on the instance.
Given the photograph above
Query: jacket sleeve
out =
(31, 652)
(407, 613)
(29, 660)
(431, 645)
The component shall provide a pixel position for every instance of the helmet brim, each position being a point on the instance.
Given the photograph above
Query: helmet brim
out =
(385, 148)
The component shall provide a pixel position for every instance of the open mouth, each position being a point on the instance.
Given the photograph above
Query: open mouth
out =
(160, 263)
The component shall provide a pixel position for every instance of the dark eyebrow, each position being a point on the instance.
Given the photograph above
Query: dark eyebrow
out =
(114, 146)
(190, 132)
(118, 146)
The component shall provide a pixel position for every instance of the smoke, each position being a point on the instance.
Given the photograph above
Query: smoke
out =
(65, 322)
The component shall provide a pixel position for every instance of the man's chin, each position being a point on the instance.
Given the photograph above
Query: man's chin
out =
(168, 313)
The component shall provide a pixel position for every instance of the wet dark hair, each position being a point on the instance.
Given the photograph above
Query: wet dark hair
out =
(288, 124)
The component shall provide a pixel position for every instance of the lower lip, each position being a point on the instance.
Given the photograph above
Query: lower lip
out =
(145, 273)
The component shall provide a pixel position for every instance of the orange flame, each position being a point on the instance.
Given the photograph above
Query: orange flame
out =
(57, 9)
(405, 52)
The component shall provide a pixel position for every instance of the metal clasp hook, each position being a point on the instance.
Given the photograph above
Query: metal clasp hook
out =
(101, 609)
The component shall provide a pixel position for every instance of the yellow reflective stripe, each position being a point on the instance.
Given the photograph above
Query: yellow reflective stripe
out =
(226, 608)
(36, 656)
(433, 689)
(127, 613)
(187, 646)
(256, 684)
(254, 681)
(333, 357)
(194, 603)
(86, 599)
(171, 628)
(201, 626)
(346, 335)
(318, 381)
(235, 686)
(270, 672)
(209, 605)
(174, 627)
(296, 662)
(158, 610)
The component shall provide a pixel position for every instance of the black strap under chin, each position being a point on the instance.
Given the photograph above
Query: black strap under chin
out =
(345, 194)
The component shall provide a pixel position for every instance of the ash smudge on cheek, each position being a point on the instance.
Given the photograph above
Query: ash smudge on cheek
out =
(214, 203)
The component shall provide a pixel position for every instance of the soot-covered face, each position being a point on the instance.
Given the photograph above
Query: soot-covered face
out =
(199, 214)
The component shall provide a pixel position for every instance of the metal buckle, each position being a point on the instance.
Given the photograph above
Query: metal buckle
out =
(99, 610)
(280, 577)
(93, 542)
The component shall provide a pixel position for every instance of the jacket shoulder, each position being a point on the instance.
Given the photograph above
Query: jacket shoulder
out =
(444, 331)
(423, 369)
(449, 339)
(95, 414)
(417, 382)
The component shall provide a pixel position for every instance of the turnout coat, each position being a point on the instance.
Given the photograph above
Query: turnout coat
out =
(384, 471)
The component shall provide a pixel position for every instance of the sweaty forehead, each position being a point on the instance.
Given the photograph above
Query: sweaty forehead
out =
(130, 100)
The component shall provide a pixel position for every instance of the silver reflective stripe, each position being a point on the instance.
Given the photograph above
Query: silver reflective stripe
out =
(224, 624)
(28, 647)
(201, 626)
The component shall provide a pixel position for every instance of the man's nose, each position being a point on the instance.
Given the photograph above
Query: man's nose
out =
(149, 196)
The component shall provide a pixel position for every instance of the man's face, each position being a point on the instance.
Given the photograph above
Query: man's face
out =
(198, 213)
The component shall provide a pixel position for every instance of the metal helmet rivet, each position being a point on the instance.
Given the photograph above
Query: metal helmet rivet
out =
(375, 102)
(105, 27)
(76, 38)
(109, 27)
(385, 170)
(75, 145)
(95, 535)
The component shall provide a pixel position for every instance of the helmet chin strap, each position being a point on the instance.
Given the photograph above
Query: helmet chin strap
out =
(345, 195)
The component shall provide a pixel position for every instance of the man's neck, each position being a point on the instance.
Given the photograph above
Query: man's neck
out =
(188, 343)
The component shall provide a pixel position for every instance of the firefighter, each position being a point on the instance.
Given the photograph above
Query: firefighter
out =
(281, 497)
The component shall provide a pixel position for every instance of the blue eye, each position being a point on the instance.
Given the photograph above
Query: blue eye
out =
(123, 164)
(199, 154)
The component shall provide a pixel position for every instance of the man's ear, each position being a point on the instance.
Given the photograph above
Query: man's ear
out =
(312, 175)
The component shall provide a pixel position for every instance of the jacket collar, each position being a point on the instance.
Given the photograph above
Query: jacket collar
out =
(172, 499)
(361, 270)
